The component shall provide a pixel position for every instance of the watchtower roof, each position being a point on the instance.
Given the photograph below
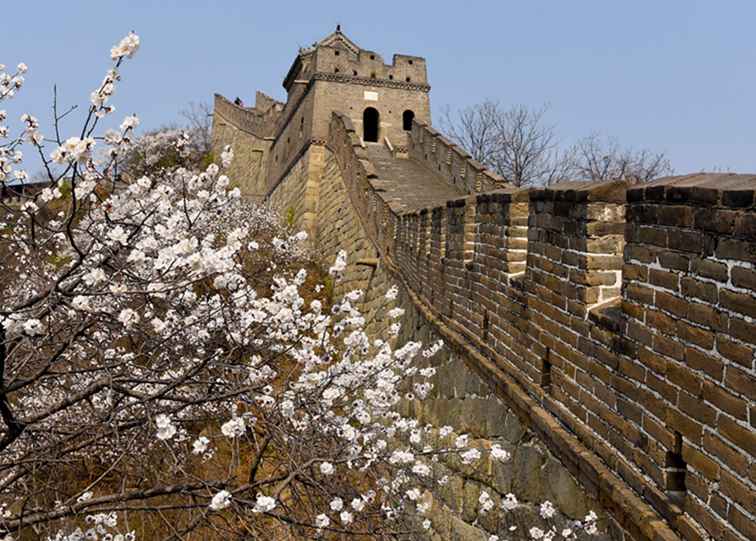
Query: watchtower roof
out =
(334, 39)
(320, 58)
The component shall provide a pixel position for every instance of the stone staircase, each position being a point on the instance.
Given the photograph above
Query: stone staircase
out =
(408, 185)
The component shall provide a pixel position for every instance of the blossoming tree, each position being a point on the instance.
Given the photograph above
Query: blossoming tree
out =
(169, 364)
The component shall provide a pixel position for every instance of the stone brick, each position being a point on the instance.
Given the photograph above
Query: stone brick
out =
(689, 529)
(661, 321)
(737, 198)
(714, 445)
(715, 220)
(740, 381)
(675, 215)
(735, 489)
(743, 330)
(669, 347)
(675, 260)
(736, 249)
(738, 302)
(704, 516)
(695, 335)
(672, 304)
(644, 254)
(699, 289)
(744, 524)
(710, 269)
(685, 378)
(708, 364)
(686, 241)
(743, 277)
(665, 279)
(706, 315)
(663, 387)
(688, 427)
(697, 409)
(742, 437)
(745, 227)
(653, 235)
(700, 462)
(737, 352)
(640, 293)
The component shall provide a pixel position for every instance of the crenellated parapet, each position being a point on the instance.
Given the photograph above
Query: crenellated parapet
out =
(449, 160)
(258, 121)
(619, 322)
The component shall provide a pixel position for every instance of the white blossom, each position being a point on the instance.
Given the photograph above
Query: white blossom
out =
(200, 445)
(509, 502)
(264, 504)
(126, 47)
(221, 500)
(165, 430)
(234, 428)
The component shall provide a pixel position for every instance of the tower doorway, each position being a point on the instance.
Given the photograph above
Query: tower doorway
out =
(407, 118)
(370, 125)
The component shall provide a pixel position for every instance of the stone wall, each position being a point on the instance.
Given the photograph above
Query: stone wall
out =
(619, 323)
(429, 147)
(689, 309)
(244, 131)
(644, 351)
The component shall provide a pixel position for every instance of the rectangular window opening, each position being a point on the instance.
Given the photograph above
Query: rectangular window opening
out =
(546, 370)
(675, 472)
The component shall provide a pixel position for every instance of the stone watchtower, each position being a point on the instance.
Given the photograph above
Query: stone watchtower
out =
(333, 75)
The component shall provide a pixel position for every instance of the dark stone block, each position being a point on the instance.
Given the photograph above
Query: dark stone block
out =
(635, 195)
(654, 193)
(737, 198)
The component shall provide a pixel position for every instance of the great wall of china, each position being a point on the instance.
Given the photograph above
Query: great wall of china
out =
(604, 333)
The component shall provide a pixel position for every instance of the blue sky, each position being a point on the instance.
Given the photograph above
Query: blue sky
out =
(672, 75)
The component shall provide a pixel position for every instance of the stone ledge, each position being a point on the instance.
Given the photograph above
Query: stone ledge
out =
(582, 192)
(712, 189)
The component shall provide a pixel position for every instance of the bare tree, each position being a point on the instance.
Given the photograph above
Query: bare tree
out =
(603, 158)
(516, 143)
(519, 145)
(199, 118)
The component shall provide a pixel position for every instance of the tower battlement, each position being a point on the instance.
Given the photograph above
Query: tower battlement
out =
(334, 75)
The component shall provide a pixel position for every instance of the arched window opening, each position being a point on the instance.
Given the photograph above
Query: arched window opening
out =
(370, 125)
(407, 118)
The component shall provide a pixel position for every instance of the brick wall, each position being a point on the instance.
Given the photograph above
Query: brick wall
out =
(621, 322)
(429, 147)
(689, 305)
